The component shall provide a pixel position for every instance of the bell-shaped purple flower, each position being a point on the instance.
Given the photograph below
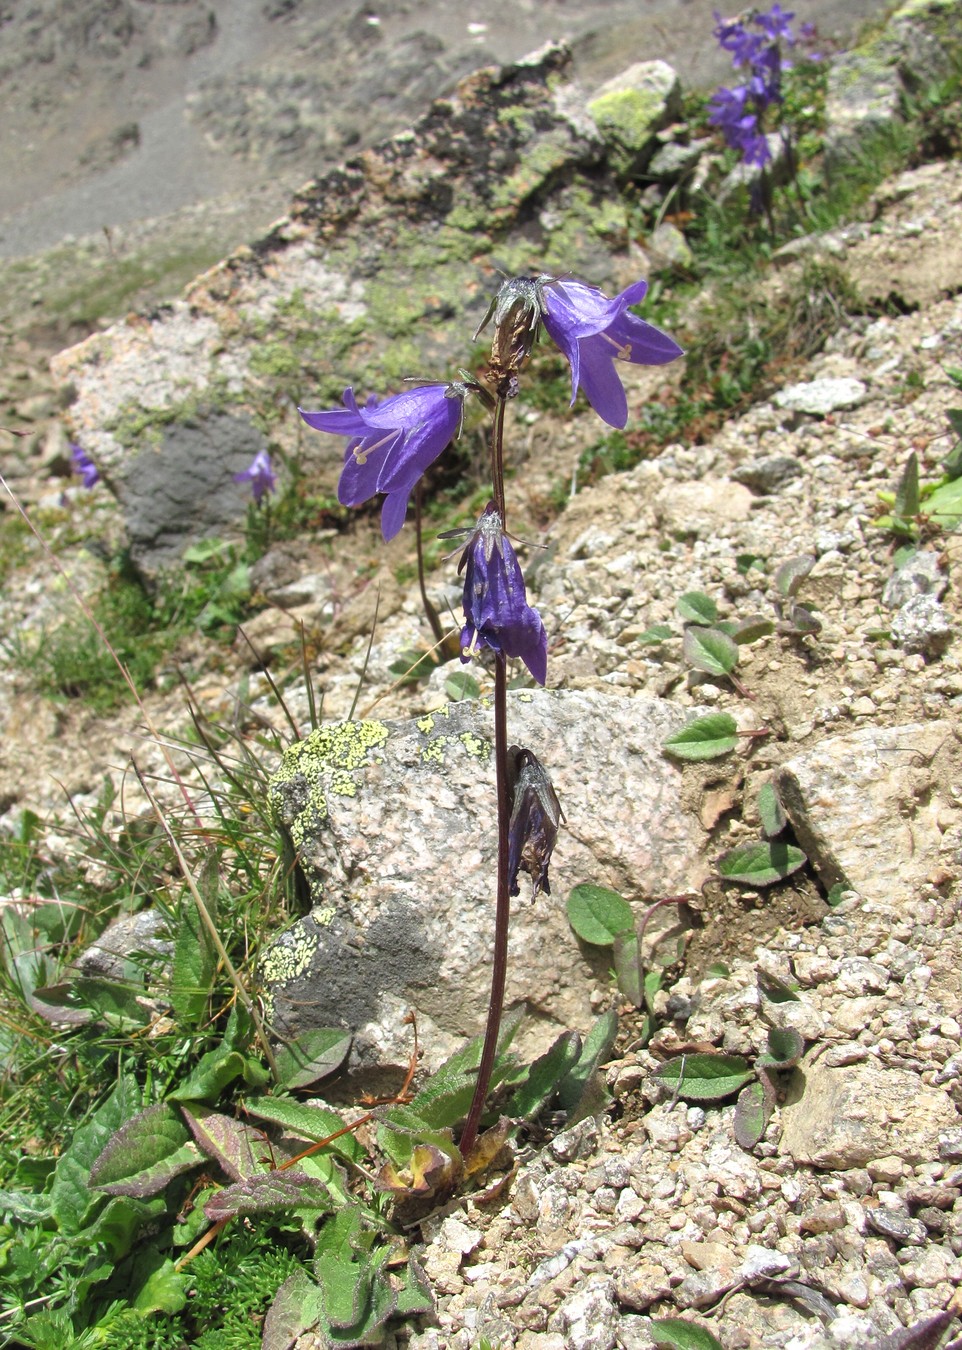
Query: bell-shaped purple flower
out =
(260, 475)
(496, 609)
(593, 332)
(83, 465)
(392, 443)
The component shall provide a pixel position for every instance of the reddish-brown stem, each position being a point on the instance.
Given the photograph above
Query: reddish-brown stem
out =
(502, 912)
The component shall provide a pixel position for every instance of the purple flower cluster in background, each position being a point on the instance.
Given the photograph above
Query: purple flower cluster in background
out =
(755, 42)
(260, 475)
(83, 465)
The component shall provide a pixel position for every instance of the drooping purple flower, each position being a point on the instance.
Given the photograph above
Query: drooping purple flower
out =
(392, 443)
(83, 465)
(259, 474)
(496, 609)
(777, 24)
(535, 816)
(593, 332)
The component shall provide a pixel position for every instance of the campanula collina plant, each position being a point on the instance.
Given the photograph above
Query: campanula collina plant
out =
(392, 441)
(744, 112)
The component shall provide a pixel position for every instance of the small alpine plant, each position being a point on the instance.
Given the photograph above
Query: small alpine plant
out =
(260, 474)
(83, 465)
(755, 41)
(392, 441)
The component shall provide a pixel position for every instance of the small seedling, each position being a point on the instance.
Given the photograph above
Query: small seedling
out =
(766, 861)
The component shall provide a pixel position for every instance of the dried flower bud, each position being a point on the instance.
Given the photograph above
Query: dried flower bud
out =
(535, 816)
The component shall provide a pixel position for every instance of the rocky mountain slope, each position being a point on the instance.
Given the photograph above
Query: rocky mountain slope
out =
(844, 1224)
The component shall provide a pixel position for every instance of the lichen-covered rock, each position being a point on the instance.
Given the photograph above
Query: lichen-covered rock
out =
(631, 108)
(393, 827)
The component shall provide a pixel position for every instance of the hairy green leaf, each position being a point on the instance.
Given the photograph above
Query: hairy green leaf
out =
(790, 575)
(195, 958)
(598, 915)
(268, 1192)
(315, 1054)
(296, 1308)
(706, 737)
(694, 607)
(944, 505)
(578, 1086)
(70, 1195)
(752, 629)
(705, 1078)
(761, 864)
(785, 1048)
(770, 810)
(230, 1143)
(907, 497)
(627, 968)
(545, 1076)
(709, 650)
(752, 1114)
(678, 1334)
(461, 685)
(655, 633)
(145, 1154)
(306, 1122)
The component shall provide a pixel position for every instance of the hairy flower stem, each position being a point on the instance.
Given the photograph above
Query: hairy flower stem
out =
(502, 914)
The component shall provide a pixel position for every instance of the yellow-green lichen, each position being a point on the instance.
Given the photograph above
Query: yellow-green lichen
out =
(327, 761)
(475, 746)
(289, 957)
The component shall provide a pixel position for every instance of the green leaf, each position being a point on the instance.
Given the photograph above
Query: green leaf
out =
(709, 650)
(70, 1195)
(233, 1145)
(837, 892)
(770, 810)
(306, 1122)
(442, 1102)
(469, 1056)
(461, 685)
(315, 1054)
(752, 629)
(745, 562)
(706, 737)
(678, 1334)
(357, 1295)
(657, 632)
(762, 864)
(195, 959)
(694, 607)
(785, 1048)
(164, 1291)
(952, 463)
(115, 1005)
(598, 915)
(595, 1052)
(907, 498)
(790, 575)
(145, 1154)
(296, 1308)
(752, 1114)
(545, 1076)
(705, 1078)
(955, 375)
(627, 969)
(214, 1071)
(414, 1294)
(776, 990)
(268, 1192)
(944, 505)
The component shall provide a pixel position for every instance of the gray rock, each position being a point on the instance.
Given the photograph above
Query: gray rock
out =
(183, 489)
(393, 827)
(769, 474)
(674, 161)
(864, 93)
(856, 804)
(922, 625)
(629, 109)
(843, 1118)
(921, 574)
(821, 397)
(125, 944)
(590, 1317)
(670, 246)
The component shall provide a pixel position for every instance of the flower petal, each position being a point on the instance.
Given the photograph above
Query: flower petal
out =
(601, 382)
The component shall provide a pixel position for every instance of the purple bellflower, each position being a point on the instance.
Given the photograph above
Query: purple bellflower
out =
(593, 332)
(496, 609)
(260, 475)
(392, 443)
(83, 465)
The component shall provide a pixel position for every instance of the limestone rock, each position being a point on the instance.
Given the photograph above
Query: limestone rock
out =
(821, 397)
(393, 825)
(865, 806)
(845, 1117)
